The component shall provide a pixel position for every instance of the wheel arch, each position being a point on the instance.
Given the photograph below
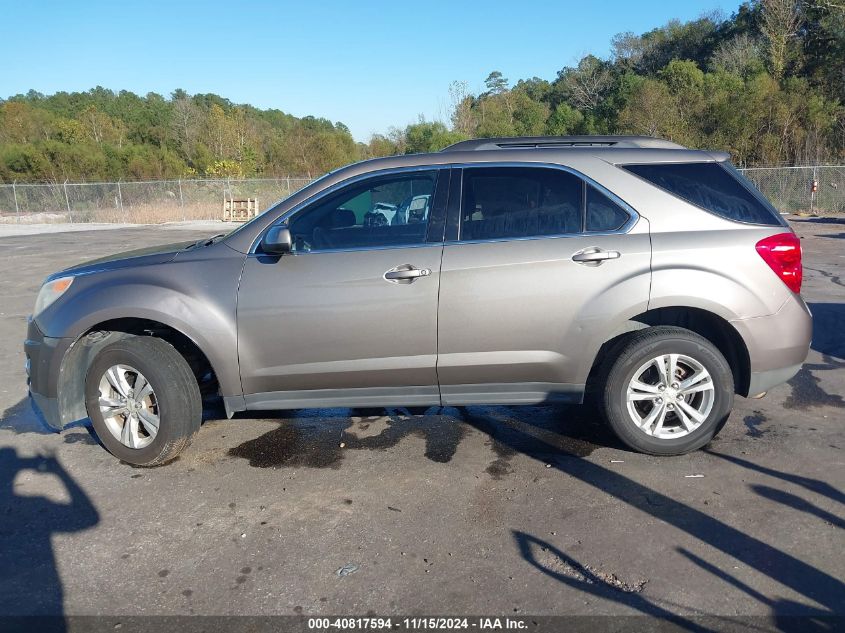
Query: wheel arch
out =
(710, 325)
(77, 360)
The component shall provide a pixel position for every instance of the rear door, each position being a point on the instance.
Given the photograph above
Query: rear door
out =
(537, 262)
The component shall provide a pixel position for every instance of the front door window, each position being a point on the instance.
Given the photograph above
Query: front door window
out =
(381, 212)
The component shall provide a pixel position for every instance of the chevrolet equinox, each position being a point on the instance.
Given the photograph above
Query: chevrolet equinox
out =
(650, 277)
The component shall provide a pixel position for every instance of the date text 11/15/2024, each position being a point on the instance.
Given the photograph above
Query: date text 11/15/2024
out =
(416, 623)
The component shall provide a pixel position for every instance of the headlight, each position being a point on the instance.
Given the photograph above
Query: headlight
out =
(51, 291)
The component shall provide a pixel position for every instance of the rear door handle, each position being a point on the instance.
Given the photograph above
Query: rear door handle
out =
(594, 256)
(406, 273)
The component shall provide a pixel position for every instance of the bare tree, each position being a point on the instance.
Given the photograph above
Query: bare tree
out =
(587, 83)
(780, 22)
(460, 104)
(186, 117)
(91, 116)
(627, 47)
(737, 55)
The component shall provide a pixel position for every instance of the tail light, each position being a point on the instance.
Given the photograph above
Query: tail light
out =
(782, 252)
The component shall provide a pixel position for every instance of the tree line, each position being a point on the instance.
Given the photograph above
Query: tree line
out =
(766, 84)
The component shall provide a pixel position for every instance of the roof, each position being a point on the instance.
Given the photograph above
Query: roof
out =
(553, 142)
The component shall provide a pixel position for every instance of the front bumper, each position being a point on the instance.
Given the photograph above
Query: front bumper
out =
(777, 344)
(44, 357)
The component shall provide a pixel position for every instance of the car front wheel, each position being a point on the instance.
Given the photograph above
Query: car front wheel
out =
(668, 392)
(143, 400)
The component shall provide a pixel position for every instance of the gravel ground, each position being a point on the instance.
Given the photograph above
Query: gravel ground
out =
(478, 510)
(12, 229)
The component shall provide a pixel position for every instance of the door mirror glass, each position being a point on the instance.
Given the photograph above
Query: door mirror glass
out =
(277, 241)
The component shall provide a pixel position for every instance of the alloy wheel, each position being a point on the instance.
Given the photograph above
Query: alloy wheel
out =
(129, 406)
(670, 396)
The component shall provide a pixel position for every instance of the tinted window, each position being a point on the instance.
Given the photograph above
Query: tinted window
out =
(710, 186)
(603, 214)
(383, 211)
(508, 202)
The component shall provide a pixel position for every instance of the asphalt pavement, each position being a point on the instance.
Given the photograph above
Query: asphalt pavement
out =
(520, 511)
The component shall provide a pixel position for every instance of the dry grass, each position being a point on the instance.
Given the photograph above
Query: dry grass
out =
(153, 213)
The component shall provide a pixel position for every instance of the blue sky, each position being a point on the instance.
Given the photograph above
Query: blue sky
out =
(370, 64)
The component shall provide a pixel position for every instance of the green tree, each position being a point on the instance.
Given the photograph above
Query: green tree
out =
(565, 120)
(429, 137)
(496, 83)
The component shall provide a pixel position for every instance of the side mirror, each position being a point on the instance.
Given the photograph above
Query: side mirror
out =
(277, 241)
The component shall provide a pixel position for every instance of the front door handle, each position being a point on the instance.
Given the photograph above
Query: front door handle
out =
(406, 273)
(594, 256)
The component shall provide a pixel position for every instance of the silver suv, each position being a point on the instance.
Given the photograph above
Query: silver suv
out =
(498, 271)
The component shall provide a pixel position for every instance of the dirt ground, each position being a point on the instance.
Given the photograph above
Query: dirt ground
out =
(519, 511)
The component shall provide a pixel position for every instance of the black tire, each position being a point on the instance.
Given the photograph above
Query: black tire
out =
(638, 349)
(176, 391)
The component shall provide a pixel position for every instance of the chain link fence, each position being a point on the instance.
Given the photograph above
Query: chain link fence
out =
(136, 202)
(819, 189)
(791, 190)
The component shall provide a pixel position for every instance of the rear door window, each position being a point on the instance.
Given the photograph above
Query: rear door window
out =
(515, 202)
(712, 187)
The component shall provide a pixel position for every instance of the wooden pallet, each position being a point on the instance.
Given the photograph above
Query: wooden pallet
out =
(239, 209)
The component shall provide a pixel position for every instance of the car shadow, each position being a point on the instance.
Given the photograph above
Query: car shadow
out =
(828, 328)
(31, 594)
(816, 486)
(797, 503)
(556, 564)
(788, 615)
(322, 438)
(23, 418)
(559, 437)
(829, 341)
(801, 577)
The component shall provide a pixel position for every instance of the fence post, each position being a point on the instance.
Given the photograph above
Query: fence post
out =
(120, 199)
(287, 184)
(67, 202)
(813, 191)
(181, 200)
(17, 208)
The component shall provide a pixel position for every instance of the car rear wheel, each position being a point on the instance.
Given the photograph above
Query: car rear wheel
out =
(143, 400)
(669, 391)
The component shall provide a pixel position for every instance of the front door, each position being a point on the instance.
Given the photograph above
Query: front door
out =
(531, 281)
(349, 318)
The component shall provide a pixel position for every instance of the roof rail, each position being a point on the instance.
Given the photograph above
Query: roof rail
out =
(534, 142)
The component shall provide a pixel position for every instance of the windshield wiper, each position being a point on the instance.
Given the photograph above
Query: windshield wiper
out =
(212, 239)
(208, 241)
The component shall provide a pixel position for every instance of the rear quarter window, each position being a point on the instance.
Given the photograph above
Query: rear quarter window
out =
(712, 187)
